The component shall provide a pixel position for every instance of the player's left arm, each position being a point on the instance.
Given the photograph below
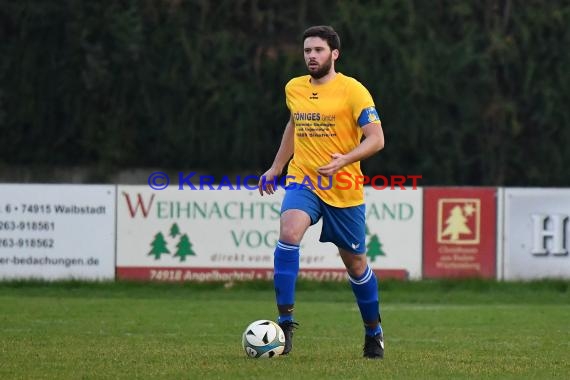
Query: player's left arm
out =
(373, 142)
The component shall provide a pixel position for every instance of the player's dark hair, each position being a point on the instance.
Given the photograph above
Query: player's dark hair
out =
(325, 32)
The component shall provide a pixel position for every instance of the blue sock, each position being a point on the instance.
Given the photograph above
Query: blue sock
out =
(286, 268)
(365, 289)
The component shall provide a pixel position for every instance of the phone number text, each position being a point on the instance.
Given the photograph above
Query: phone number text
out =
(11, 225)
(26, 243)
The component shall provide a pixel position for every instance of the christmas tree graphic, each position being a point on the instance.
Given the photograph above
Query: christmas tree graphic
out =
(184, 248)
(456, 224)
(158, 246)
(374, 248)
(174, 230)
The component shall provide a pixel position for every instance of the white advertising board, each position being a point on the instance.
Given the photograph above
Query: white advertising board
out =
(57, 231)
(536, 233)
(180, 235)
(394, 224)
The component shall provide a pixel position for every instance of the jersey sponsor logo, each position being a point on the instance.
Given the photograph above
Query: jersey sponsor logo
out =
(314, 95)
(313, 116)
(300, 116)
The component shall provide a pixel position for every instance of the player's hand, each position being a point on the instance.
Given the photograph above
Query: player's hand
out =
(338, 161)
(268, 181)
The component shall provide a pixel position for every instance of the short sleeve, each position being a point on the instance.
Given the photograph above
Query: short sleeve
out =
(288, 95)
(363, 108)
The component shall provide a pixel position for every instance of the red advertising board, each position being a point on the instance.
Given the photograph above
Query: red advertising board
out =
(240, 274)
(460, 229)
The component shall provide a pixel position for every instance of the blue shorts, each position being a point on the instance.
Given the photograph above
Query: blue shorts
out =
(344, 227)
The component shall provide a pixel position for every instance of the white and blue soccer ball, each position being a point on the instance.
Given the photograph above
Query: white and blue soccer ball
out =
(263, 339)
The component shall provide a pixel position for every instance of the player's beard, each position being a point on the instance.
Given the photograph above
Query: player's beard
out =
(322, 70)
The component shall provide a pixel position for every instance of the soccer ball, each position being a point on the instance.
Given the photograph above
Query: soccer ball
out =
(263, 339)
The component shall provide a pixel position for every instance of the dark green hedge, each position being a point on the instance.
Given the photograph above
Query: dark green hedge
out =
(470, 92)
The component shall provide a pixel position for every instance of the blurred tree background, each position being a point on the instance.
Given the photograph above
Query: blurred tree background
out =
(469, 92)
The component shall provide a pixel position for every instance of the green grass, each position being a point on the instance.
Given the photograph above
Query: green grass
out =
(433, 329)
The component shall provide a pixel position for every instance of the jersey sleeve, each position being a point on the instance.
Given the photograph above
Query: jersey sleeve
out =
(288, 95)
(363, 108)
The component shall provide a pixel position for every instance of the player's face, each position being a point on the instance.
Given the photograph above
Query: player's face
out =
(318, 56)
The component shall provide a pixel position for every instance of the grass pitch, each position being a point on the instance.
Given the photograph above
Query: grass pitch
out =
(433, 329)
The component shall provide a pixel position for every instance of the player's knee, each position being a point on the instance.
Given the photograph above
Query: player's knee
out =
(291, 234)
(357, 266)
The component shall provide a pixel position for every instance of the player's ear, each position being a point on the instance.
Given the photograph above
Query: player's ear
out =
(335, 54)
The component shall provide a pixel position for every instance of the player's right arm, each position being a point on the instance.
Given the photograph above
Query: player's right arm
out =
(269, 178)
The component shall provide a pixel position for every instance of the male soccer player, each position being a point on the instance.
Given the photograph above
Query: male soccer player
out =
(330, 113)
